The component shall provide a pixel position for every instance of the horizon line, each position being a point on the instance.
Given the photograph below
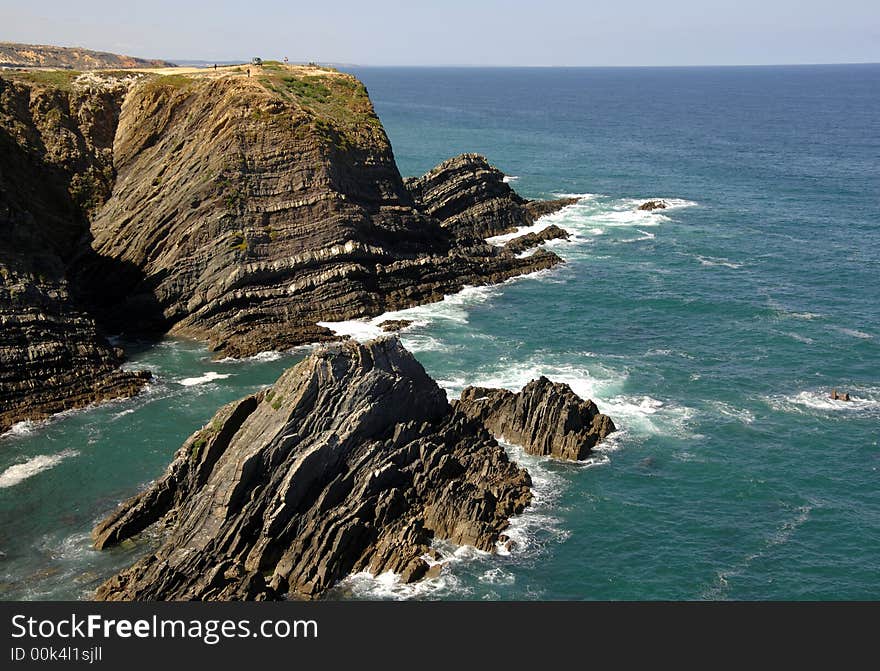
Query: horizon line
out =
(501, 67)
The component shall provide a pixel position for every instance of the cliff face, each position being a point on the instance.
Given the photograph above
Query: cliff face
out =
(253, 208)
(55, 166)
(13, 54)
(352, 461)
(239, 209)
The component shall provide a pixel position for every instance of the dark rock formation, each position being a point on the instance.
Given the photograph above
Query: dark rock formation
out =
(546, 418)
(471, 198)
(529, 240)
(352, 461)
(13, 54)
(253, 210)
(236, 210)
(55, 167)
(653, 205)
(390, 325)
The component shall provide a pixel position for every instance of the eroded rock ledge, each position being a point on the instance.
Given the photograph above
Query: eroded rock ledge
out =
(354, 460)
(546, 418)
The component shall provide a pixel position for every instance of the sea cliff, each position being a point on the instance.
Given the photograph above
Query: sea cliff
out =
(238, 206)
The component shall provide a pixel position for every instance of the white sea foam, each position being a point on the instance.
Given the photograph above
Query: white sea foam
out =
(599, 215)
(712, 261)
(740, 414)
(29, 427)
(453, 308)
(510, 178)
(645, 235)
(501, 240)
(797, 336)
(669, 352)
(809, 316)
(862, 400)
(268, 355)
(210, 376)
(42, 462)
(853, 333)
(579, 196)
(634, 415)
(558, 218)
(24, 428)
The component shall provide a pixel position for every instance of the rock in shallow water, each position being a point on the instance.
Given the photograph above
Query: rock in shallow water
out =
(653, 205)
(354, 460)
(390, 325)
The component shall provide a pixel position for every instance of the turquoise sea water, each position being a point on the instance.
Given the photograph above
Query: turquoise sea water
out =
(712, 333)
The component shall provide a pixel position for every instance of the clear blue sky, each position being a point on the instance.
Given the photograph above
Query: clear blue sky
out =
(462, 32)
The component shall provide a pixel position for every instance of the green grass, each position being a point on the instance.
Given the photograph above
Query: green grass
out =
(61, 79)
(197, 446)
(176, 82)
(339, 106)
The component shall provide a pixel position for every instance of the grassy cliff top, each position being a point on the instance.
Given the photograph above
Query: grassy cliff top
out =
(337, 103)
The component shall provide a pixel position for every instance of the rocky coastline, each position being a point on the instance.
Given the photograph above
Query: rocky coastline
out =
(243, 211)
(239, 211)
(352, 461)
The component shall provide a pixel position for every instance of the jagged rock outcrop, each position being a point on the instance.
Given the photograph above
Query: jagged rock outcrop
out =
(545, 418)
(14, 54)
(55, 167)
(354, 460)
(651, 205)
(471, 198)
(525, 242)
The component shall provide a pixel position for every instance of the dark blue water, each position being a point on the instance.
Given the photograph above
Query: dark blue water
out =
(712, 332)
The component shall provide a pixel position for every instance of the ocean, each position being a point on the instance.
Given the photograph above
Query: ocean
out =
(712, 332)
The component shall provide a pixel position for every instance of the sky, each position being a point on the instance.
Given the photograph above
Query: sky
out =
(461, 32)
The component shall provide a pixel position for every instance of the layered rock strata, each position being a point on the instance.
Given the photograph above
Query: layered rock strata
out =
(55, 168)
(237, 210)
(546, 418)
(353, 461)
(470, 197)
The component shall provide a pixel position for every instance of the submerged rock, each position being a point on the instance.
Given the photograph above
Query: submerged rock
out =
(653, 205)
(390, 325)
(546, 418)
(353, 461)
